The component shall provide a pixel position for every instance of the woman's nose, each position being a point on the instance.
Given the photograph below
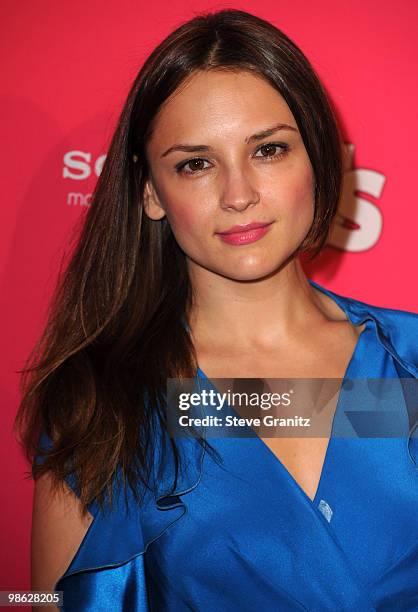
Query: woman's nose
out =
(238, 193)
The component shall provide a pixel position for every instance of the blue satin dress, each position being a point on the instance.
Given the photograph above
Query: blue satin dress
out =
(244, 535)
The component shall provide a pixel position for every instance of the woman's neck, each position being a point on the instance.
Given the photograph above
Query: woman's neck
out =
(256, 313)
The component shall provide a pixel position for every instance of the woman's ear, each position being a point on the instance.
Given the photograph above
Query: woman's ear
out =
(152, 204)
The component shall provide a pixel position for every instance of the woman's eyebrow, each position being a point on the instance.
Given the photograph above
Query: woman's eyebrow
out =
(253, 138)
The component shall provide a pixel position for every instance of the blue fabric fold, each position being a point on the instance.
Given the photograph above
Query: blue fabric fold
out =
(397, 329)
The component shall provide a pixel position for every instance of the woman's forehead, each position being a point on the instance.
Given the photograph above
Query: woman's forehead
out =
(220, 104)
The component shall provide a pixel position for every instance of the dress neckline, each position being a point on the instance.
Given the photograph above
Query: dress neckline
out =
(292, 481)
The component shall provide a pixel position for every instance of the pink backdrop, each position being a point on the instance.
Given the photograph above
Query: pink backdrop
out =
(66, 70)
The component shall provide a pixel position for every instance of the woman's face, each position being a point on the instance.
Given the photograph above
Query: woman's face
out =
(225, 151)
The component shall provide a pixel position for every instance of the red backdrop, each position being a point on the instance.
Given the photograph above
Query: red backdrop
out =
(67, 68)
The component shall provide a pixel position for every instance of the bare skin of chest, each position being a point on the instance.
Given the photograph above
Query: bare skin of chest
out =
(303, 457)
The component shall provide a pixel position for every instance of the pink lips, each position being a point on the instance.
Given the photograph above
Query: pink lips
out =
(244, 234)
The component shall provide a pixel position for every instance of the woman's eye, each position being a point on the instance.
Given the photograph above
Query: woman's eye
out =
(192, 166)
(272, 150)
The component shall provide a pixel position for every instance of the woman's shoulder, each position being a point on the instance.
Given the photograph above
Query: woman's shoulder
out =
(401, 325)
(118, 536)
(384, 312)
(396, 328)
(359, 307)
(395, 322)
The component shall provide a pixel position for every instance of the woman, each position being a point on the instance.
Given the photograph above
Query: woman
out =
(224, 169)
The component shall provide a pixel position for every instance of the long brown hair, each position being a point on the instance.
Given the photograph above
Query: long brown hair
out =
(115, 331)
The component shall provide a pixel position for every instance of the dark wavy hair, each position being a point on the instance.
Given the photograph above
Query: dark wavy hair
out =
(115, 330)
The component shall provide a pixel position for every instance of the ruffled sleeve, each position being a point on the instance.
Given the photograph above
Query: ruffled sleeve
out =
(108, 570)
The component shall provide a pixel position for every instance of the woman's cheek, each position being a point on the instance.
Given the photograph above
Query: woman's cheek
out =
(184, 219)
(300, 192)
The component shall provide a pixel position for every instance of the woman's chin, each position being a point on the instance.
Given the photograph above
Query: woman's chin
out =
(245, 268)
(253, 272)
